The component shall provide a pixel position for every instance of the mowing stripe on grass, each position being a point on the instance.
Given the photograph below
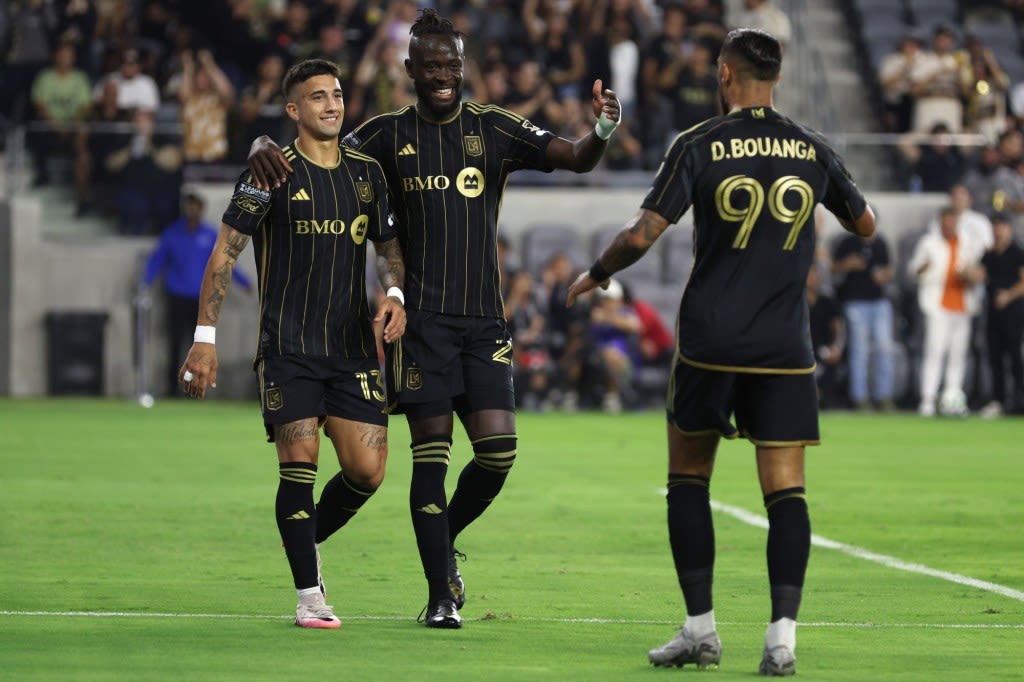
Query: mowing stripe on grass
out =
(528, 619)
(883, 559)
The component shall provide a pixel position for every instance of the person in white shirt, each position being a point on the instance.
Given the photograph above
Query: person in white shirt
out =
(936, 84)
(128, 88)
(766, 16)
(894, 76)
(946, 268)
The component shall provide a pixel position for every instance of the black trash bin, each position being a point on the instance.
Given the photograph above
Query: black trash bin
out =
(75, 352)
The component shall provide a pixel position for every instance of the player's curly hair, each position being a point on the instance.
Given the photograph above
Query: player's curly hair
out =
(304, 70)
(429, 22)
(759, 53)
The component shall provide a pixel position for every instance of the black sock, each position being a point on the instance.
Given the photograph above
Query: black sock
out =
(430, 511)
(339, 502)
(481, 480)
(692, 537)
(789, 546)
(296, 519)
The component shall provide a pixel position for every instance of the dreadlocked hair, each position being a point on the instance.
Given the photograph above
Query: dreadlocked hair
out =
(430, 22)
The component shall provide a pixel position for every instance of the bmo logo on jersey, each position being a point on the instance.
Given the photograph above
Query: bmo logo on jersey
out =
(469, 182)
(357, 230)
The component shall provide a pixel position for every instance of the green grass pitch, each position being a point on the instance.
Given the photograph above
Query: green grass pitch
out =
(160, 523)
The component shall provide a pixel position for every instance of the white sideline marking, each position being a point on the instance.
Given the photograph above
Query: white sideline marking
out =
(528, 619)
(883, 559)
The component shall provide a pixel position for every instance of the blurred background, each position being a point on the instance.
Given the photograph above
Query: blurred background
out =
(123, 124)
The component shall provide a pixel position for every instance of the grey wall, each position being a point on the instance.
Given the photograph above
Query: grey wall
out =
(39, 275)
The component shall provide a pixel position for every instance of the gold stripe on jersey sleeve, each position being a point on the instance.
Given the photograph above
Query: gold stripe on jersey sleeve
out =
(746, 370)
(356, 154)
(480, 109)
(682, 154)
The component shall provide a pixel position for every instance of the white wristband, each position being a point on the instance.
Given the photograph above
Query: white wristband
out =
(605, 127)
(205, 334)
(397, 293)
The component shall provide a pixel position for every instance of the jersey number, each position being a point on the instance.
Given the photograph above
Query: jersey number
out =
(748, 216)
(364, 383)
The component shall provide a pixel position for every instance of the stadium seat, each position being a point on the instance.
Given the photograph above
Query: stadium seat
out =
(678, 255)
(997, 37)
(870, 9)
(931, 13)
(541, 241)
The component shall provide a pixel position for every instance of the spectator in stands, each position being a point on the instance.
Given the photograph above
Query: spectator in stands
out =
(533, 98)
(623, 64)
(615, 331)
(990, 183)
(28, 51)
(561, 51)
(62, 97)
(206, 96)
(656, 342)
(1004, 275)
(380, 84)
(863, 269)
(934, 163)
(894, 75)
(696, 96)
(527, 326)
(663, 59)
(122, 92)
(828, 336)
(293, 34)
(76, 25)
(262, 105)
(936, 84)
(568, 337)
(1011, 147)
(764, 15)
(147, 176)
(986, 86)
(946, 269)
(972, 226)
(180, 257)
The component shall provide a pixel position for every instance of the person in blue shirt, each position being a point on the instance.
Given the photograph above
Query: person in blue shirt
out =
(180, 256)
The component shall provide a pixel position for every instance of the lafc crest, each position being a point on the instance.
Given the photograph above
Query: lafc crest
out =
(364, 191)
(274, 400)
(474, 145)
(414, 378)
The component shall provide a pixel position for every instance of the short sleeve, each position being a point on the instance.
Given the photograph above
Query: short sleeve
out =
(383, 228)
(842, 197)
(248, 206)
(672, 192)
(526, 144)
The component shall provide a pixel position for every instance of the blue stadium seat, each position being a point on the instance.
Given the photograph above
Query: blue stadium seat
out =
(997, 37)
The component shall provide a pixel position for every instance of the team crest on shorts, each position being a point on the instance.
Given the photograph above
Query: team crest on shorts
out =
(364, 191)
(413, 379)
(474, 146)
(274, 399)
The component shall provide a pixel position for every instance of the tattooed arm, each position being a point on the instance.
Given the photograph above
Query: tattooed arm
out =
(201, 362)
(628, 247)
(391, 271)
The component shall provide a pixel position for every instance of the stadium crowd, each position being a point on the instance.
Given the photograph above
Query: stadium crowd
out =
(139, 96)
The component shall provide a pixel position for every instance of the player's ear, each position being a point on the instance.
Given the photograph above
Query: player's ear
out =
(408, 67)
(292, 110)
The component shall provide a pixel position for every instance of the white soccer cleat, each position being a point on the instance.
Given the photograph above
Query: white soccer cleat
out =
(779, 661)
(683, 648)
(316, 615)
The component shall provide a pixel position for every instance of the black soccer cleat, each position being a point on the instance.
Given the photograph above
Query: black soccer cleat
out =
(455, 582)
(441, 614)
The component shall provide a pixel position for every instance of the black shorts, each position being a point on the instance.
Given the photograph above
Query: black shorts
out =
(294, 387)
(771, 409)
(459, 361)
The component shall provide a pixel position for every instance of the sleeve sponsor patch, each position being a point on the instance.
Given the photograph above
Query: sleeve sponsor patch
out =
(253, 191)
(248, 204)
(352, 141)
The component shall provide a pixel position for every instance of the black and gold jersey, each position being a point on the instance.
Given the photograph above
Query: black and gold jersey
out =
(753, 178)
(309, 239)
(446, 181)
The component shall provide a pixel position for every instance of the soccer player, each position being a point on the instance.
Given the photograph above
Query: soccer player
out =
(447, 163)
(317, 357)
(743, 345)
